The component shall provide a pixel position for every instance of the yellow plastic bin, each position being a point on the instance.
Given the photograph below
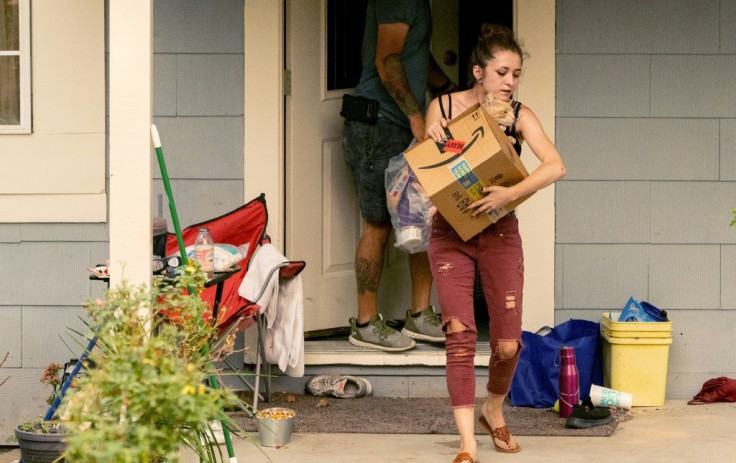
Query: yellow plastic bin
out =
(635, 358)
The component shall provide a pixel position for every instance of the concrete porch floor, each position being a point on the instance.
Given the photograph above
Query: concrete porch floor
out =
(676, 432)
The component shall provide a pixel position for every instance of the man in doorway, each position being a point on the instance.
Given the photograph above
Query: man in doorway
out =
(397, 69)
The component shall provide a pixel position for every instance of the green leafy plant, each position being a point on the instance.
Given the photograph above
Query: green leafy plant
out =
(148, 394)
(42, 427)
(733, 222)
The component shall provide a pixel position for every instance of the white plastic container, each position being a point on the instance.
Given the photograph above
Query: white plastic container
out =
(604, 397)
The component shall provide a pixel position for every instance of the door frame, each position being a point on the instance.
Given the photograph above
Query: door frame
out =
(534, 22)
(264, 121)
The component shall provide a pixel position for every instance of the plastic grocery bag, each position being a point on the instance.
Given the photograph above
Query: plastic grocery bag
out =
(410, 208)
(636, 311)
(536, 381)
(226, 255)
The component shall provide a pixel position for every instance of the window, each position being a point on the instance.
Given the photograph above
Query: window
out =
(15, 63)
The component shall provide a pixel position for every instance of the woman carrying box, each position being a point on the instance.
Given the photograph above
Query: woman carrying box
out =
(496, 252)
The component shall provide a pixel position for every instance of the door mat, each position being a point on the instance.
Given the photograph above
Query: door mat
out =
(387, 415)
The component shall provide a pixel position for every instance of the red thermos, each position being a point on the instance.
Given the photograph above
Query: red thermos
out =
(569, 381)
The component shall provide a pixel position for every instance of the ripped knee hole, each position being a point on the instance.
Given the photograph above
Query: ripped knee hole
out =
(454, 325)
(506, 350)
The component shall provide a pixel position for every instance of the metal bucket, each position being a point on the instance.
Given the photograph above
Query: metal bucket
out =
(274, 426)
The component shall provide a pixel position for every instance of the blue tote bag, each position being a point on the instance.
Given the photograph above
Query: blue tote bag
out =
(535, 382)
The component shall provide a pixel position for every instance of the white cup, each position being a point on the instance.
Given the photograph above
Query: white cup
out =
(604, 397)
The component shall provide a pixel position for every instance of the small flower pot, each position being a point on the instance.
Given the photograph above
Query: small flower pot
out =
(40, 447)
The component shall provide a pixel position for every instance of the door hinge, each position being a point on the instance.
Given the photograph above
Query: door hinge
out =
(287, 82)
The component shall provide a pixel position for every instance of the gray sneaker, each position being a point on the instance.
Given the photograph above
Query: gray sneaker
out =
(427, 326)
(378, 335)
(341, 386)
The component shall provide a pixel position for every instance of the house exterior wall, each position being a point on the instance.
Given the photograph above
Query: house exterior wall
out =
(57, 172)
(198, 106)
(198, 110)
(646, 123)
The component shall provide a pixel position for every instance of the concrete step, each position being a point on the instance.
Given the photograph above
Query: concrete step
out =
(419, 372)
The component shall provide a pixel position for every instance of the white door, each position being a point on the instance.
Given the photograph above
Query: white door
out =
(322, 222)
(322, 218)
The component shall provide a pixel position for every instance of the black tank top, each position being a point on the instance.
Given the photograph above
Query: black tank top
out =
(511, 132)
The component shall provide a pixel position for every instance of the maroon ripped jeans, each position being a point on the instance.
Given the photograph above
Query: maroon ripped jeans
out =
(497, 254)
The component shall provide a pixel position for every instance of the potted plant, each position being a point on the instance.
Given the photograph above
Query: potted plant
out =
(43, 441)
(148, 395)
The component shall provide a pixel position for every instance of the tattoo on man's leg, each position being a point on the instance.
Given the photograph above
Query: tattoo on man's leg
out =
(368, 274)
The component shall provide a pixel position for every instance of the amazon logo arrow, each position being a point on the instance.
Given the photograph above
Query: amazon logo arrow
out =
(477, 133)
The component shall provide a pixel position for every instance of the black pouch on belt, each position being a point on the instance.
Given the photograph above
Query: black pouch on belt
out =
(358, 108)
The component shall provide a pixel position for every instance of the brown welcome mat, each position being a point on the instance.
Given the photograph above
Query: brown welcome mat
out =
(386, 415)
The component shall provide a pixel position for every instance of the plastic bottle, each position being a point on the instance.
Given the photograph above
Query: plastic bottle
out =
(569, 381)
(204, 252)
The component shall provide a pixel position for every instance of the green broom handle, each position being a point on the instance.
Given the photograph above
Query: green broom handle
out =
(185, 261)
(169, 194)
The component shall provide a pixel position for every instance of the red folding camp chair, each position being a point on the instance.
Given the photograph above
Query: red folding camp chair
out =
(246, 224)
(231, 312)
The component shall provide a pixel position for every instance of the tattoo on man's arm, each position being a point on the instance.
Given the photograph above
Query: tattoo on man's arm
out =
(397, 85)
(368, 274)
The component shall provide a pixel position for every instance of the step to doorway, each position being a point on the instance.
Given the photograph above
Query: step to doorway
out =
(419, 372)
(342, 352)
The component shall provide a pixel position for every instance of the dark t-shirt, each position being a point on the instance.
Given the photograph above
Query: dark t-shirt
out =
(414, 55)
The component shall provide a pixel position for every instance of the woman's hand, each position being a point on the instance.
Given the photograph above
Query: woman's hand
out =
(436, 131)
(495, 197)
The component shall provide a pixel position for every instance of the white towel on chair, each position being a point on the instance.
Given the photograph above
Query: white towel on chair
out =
(282, 304)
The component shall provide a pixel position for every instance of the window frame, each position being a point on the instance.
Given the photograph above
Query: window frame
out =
(24, 54)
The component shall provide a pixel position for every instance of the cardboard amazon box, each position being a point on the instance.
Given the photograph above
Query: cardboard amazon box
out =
(477, 154)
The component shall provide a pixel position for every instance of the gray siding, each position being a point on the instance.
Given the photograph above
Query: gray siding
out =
(198, 110)
(646, 122)
(198, 106)
(44, 286)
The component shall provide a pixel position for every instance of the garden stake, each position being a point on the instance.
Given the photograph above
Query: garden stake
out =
(183, 251)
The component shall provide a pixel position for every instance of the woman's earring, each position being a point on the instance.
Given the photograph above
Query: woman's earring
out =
(480, 80)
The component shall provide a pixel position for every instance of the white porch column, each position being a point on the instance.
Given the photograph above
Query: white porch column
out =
(131, 64)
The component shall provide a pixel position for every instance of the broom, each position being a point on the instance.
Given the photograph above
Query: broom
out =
(183, 252)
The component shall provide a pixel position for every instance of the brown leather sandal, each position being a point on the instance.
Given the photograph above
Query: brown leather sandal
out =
(501, 434)
(464, 456)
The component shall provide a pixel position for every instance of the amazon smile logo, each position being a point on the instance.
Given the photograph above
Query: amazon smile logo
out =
(477, 133)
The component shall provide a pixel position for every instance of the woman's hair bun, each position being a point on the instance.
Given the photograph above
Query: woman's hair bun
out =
(490, 32)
